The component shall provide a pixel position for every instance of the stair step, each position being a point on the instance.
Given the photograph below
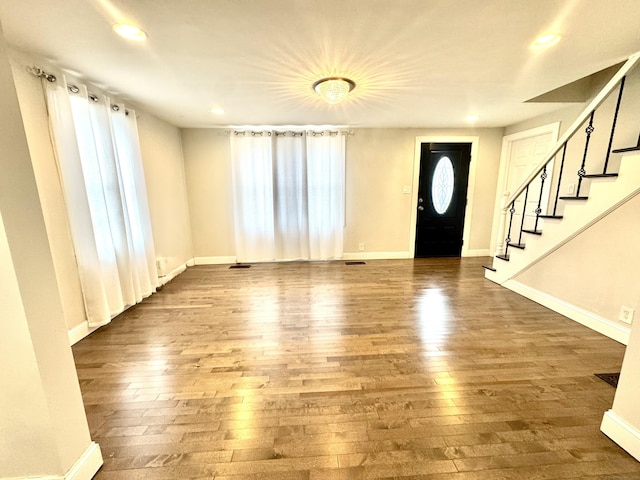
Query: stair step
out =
(630, 149)
(601, 175)
(534, 232)
(517, 245)
(487, 267)
(503, 257)
(559, 217)
(573, 197)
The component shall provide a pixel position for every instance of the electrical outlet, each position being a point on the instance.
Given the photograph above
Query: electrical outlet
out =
(361, 246)
(571, 188)
(626, 314)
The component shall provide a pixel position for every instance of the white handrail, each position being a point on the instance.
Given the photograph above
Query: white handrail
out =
(595, 103)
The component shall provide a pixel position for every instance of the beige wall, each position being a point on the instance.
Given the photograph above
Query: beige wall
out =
(208, 175)
(164, 175)
(598, 270)
(379, 162)
(166, 188)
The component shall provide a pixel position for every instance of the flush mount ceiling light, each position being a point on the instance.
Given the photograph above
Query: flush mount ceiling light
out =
(333, 89)
(130, 32)
(217, 111)
(545, 41)
(472, 118)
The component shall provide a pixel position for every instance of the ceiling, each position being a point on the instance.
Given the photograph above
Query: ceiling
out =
(416, 63)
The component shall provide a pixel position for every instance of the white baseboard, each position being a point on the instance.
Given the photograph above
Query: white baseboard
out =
(85, 467)
(481, 252)
(625, 435)
(375, 255)
(172, 274)
(80, 331)
(214, 260)
(595, 322)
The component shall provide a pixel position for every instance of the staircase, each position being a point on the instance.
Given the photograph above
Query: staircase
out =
(527, 235)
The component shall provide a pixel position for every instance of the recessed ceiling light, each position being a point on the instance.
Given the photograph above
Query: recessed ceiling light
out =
(545, 41)
(130, 32)
(472, 118)
(217, 111)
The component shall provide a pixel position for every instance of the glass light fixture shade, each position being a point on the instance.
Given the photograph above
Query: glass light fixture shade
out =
(130, 32)
(545, 41)
(333, 89)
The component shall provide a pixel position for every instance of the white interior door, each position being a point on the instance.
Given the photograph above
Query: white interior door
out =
(524, 155)
(521, 153)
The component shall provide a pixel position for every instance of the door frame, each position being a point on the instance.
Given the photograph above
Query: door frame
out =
(474, 141)
(503, 171)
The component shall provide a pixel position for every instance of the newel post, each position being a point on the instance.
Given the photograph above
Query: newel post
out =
(500, 245)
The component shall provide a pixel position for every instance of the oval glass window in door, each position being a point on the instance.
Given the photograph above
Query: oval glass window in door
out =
(442, 185)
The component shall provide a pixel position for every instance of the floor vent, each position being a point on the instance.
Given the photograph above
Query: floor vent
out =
(354, 263)
(240, 265)
(610, 378)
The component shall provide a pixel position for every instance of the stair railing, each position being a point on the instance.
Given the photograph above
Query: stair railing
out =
(508, 201)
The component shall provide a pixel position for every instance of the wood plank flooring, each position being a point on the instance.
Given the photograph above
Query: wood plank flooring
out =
(395, 369)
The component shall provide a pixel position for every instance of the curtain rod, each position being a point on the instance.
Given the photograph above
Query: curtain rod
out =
(293, 133)
(40, 73)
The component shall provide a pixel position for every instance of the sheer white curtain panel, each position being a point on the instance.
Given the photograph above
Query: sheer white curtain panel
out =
(288, 196)
(326, 187)
(252, 172)
(100, 169)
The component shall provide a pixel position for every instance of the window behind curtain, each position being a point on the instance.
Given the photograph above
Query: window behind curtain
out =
(288, 196)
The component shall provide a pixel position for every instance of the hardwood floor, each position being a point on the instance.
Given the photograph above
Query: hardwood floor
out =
(394, 369)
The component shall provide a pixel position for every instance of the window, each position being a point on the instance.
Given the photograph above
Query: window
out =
(442, 185)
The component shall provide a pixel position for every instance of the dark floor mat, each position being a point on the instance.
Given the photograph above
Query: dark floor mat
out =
(610, 378)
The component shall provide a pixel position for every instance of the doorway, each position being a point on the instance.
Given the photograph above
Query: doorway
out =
(521, 153)
(442, 199)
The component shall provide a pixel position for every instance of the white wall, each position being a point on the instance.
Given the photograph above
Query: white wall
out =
(626, 133)
(379, 162)
(51, 434)
(36, 125)
(26, 433)
(597, 271)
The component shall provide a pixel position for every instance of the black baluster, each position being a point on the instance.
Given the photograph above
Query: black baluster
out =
(524, 210)
(543, 176)
(564, 152)
(508, 239)
(613, 126)
(581, 173)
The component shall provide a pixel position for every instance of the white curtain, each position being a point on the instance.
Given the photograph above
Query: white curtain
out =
(288, 195)
(326, 172)
(100, 168)
(253, 197)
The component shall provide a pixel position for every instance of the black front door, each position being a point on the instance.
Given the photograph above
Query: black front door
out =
(442, 198)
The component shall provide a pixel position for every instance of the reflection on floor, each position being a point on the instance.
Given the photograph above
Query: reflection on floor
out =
(393, 369)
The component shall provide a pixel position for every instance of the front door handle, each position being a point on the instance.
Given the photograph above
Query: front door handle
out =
(420, 207)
